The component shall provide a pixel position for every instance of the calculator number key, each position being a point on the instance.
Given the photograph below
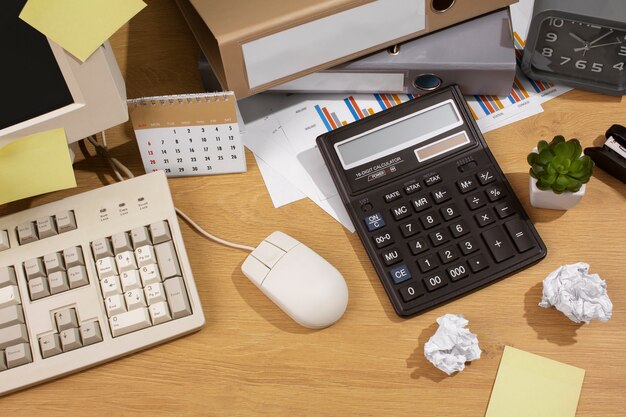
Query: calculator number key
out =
(374, 222)
(411, 292)
(439, 237)
(383, 239)
(435, 282)
(459, 228)
(418, 246)
(427, 263)
(468, 246)
(448, 254)
(458, 271)
(409, 229)
(449, 212)
(400, 273)
(429, 220)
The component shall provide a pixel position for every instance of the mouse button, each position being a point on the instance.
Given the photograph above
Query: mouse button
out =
(254, 270)
(283, 241)
(268, 254)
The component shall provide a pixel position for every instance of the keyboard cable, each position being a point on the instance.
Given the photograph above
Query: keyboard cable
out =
(118, 169)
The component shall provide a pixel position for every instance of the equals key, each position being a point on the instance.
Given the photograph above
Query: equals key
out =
(519, 234)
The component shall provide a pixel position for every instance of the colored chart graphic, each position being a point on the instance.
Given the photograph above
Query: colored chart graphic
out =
(358, 107)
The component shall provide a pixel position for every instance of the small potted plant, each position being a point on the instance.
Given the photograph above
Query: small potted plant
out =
(558, 173)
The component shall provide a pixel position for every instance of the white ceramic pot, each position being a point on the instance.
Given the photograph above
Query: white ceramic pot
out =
(551, 200)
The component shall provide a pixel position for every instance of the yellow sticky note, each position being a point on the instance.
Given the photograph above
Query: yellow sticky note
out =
(35, 164)
(79, 26)
(529, 385)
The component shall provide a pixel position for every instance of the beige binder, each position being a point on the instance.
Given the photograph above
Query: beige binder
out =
(255, 45)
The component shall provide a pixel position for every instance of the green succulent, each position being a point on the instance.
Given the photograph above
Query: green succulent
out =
(559, 165)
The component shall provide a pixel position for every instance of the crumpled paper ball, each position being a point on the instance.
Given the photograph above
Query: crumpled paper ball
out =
(575, 293)
(452, 345)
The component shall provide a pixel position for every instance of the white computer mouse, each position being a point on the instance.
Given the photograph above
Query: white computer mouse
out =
(303, 284)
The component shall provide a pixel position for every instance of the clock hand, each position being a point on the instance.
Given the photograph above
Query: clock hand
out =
(595, 46)
(573, 35)
(601, 37)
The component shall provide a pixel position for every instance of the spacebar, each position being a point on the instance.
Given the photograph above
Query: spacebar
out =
(130, 321)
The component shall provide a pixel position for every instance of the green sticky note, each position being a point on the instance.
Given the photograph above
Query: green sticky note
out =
(79, 26)
(35, 164)
(529, 385)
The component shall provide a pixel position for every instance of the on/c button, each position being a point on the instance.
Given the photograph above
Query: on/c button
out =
(400, 273)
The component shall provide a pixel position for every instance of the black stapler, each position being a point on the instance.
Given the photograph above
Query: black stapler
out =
(611, 157)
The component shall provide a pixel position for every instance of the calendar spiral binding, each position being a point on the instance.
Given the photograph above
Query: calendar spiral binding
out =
(182, 99)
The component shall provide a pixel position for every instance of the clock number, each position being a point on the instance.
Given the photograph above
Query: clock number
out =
(557, 23)
(622, 51)
(619, 66)
(597, 67)
(565, 60)
(581, 64)
(547, 52)
(551, 37)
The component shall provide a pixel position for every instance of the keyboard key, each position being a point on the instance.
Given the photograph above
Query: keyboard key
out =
(401, 212)
(412, 186)
(498, 244)
(135, 299)
(400, 273)
(440, 195)
(121, 243)
(457, 271)
(504, 209)
(495, 193)
(90, 333)
(155, 293)
(418, 246)
(11, 315)
(392, 196)
(374, 222)
(519, 234)
(430, 220)
(159, 313)
(130, 280)
(450, 211)
(73, 256)
(46, 227)
(476, 200)
(70, 339)
(411, 292)
(26, 233)
(17, 355)
(167, 260)
(106, 267)
(34, 268)
(7, 276)
(448, 254)
(432, 179)
(177, 297)
(54, 262)
(13, 335)
(485, 217)
(66, 319)
(77, 276)
(4, 240)
(427, 263)
(65, 221)
(459, 228)
(421, 203)
(130, 321)
(50, 345)
(111, 286)
(125, 261)
(160, 232)
(101, 248)
(477, 263)
(391, 257)
(9, 296)
(140, 237)
(409, 229)
(468, 246)
(485, 177)
(149, 274)
(466, 184)
(439, 237)
(38, 288)
(57, 282)
(435, 282)
(115, 305)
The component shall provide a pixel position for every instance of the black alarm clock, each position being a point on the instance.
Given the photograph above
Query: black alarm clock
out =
(579, 43)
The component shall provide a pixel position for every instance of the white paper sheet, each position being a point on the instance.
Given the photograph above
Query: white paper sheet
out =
(452, 345)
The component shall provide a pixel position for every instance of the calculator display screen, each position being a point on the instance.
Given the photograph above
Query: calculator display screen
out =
(399, 134)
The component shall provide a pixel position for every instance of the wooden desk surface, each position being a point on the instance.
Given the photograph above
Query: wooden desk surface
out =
(250, 359)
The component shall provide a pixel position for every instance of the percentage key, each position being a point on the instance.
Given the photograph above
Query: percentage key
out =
(495, 193)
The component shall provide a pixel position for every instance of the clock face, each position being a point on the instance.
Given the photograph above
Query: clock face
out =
(581, 50)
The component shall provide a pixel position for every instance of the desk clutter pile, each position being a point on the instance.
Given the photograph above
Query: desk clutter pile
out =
(380, 125)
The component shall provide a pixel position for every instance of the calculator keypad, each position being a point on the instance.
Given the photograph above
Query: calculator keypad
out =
(439, 234)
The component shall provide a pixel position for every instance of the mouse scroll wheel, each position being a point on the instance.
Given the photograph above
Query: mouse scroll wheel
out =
(268, 254)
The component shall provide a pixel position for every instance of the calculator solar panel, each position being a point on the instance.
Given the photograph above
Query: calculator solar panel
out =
(432, 207)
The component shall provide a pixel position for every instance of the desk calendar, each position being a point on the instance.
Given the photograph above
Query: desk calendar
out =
(192, 134)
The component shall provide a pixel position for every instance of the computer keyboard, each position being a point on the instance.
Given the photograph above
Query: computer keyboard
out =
(90, 278)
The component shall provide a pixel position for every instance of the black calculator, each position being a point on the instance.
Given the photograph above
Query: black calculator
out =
(432, 207)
